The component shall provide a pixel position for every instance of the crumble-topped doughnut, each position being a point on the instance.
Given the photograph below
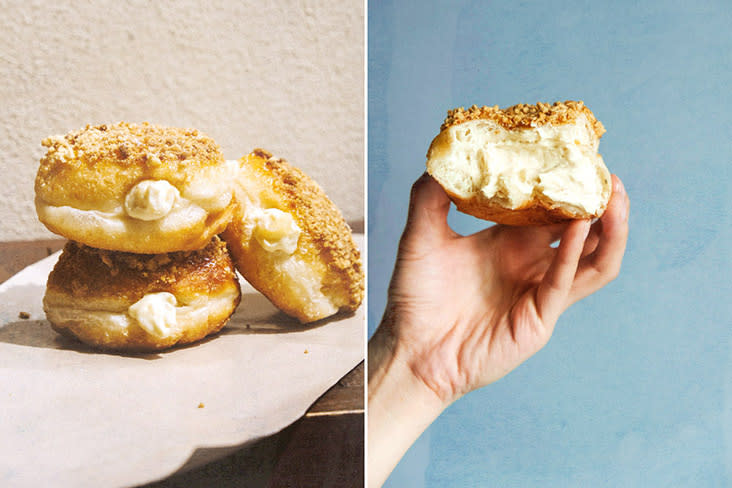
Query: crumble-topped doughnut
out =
(525, 116)
(141, 302)
(522, 165)
(291, 242)
(134, 187)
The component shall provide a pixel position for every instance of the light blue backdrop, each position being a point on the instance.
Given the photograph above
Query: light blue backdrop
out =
(635, 387)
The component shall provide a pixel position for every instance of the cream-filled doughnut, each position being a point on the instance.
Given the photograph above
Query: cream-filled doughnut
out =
(523, 165)
(291, 242)
(134, 187)
(141, 302)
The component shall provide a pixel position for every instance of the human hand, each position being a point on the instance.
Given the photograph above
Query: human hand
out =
(463, 311)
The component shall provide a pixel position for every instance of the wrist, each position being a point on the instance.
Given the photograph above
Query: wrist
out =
(400, 405)
(391, 363)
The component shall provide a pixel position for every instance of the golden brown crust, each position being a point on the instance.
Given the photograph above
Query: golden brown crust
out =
(325, 243)
(102, 163)
(86, 272)
(535, 213)
(96, 280)
(85, 176)
(523, 116)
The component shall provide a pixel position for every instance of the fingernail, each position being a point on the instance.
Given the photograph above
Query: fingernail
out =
(619, 186)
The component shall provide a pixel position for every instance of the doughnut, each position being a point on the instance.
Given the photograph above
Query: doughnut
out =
(136, 188)
(522, 165)
(290, 242)
(141, 302)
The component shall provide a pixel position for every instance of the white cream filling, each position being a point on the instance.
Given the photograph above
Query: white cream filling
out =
(155, 312)
(275, 230)
(557, 162)
(185, 315)
(151, 199)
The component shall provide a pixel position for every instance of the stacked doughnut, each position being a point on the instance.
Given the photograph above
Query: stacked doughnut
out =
(141, 205)
(144, 268)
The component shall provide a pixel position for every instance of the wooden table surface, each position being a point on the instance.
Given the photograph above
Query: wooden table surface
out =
(324, 448)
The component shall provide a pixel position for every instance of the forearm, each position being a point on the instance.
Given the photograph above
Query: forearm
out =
(400, 407)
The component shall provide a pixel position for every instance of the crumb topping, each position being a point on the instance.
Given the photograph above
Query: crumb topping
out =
(127, 144)
(95, 167)
(523, 116)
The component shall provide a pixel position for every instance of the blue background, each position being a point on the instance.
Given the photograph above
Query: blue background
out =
(635, 387)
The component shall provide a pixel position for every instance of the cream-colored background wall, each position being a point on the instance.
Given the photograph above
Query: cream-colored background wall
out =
(287, 76)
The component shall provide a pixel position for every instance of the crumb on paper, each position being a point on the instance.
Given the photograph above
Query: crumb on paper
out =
(201, 405)
(23, 315)
(306, 351)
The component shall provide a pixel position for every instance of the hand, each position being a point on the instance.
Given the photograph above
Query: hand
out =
(463, 311)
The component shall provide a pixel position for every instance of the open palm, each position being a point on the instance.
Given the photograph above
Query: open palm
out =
(469, 309)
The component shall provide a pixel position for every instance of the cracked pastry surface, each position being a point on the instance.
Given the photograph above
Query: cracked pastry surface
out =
(141, 302)
(134, 187)
(291, 242)
(523, 165)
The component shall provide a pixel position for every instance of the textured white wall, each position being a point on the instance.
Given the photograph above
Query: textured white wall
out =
(287, 76)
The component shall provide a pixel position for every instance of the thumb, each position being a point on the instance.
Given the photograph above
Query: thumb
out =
(428, 207)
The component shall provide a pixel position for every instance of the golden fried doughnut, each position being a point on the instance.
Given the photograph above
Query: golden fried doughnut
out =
(141, 302)
(134, 187)
(291, 242)
(523, 165)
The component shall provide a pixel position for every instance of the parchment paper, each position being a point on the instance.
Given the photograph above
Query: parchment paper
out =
(70, 416)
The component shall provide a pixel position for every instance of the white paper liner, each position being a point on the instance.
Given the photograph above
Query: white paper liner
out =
(71, 416)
